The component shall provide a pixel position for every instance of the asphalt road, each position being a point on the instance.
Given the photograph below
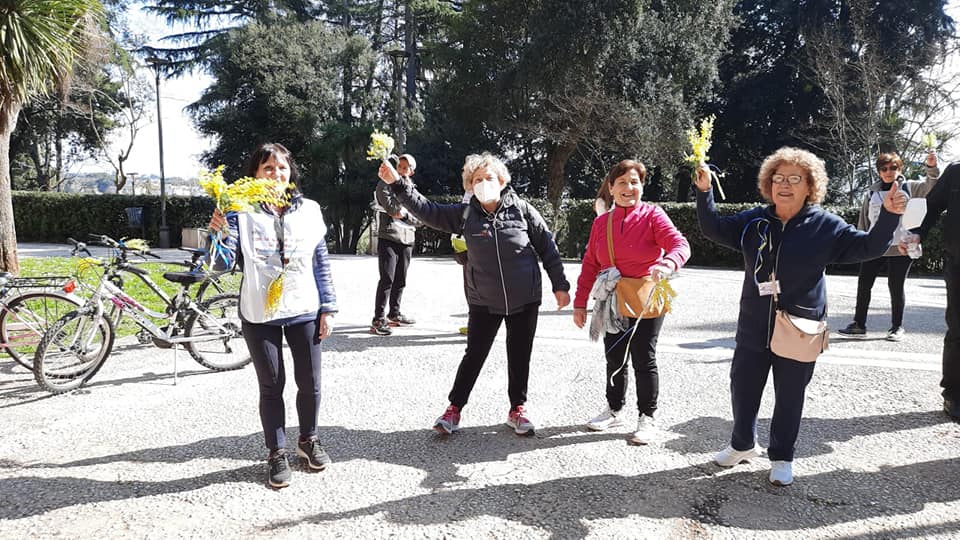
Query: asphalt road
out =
(133, 455)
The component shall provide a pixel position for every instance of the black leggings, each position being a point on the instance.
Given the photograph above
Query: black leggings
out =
(482, 327)
(897, 269)
(643, 355)
(265, 343)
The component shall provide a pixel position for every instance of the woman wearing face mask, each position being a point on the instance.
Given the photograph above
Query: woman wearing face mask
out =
(266, 242)
(889, 167)
(645, 243)
(505, 236)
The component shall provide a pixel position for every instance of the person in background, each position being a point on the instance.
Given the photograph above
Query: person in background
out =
(506, 238)
(945, 197)
(288, 240)
(645, 243)
(396, 235)
(889, 167)
(786, 247)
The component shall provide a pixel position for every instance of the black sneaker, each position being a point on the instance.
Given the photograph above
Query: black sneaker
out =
(400, 320)
(310, 450)
(952, 408)
(380, 327)
(279, 469)
(853, 330)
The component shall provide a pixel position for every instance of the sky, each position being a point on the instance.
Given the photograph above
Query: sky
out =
(182, 144)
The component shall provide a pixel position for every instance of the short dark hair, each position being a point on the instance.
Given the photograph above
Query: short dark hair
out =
(623, 168)
(275, 150)
(889, 157)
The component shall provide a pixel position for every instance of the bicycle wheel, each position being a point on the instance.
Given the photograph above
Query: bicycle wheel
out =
(25, 318)
(218, 320)
(218, 283)
(72, 351)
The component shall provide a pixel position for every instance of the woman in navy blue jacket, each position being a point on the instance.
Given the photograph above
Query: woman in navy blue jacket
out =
(795, 239)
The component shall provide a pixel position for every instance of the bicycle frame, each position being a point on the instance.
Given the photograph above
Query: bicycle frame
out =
(124, 304)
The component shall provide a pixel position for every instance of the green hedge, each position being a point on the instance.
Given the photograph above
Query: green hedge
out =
(52, 217)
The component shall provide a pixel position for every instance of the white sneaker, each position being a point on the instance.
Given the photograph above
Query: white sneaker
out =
(646, 430)
(606, 420)
(781, 473)
(728, 457)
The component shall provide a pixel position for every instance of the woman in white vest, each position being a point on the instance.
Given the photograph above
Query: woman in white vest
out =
(287, 241)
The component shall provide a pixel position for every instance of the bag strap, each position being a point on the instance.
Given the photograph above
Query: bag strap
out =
(610, 235)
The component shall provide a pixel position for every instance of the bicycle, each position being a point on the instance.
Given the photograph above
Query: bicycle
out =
(28, 306)
(74, 349)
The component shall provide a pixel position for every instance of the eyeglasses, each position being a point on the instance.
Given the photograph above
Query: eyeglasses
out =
(793, 179)
(886, 168)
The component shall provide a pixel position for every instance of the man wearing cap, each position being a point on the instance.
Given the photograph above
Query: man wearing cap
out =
(396, 235)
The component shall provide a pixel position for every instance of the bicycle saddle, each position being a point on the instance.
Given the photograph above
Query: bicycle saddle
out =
(185, 278)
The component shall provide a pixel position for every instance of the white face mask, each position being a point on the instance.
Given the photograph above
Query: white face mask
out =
(487, 191)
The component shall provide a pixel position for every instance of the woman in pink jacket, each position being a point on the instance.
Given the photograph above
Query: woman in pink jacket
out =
(645, 243)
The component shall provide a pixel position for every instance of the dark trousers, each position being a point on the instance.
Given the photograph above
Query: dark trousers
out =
(643, 355)
(897, 269)
(394, 259)
(748, 376)
(951, 342)
(482, 328)
(266, 348)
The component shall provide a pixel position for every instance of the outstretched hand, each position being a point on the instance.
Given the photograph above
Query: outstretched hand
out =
(388, 173)
(703, 178)
(896, 200)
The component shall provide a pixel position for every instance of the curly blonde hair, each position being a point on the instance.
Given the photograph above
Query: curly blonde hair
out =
(487, 161)
(816, 176)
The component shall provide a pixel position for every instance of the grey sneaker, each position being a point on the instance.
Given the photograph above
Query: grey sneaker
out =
(518, 420)
(605, 420)
(399, 319)
(728, 457)
(896, 334)
(314, 454)
(781, 473)
(646, 431)
(853, 330)
(380, 327)
(279, 475)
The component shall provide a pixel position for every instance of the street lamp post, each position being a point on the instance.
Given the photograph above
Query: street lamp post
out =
(157, 63)
(399, 59)
(133, 182)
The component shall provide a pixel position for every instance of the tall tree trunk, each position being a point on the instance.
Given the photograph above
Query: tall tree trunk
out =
(8, 231)
(556, 161)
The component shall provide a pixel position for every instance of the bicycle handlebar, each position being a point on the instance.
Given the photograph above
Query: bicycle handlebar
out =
(78, 247)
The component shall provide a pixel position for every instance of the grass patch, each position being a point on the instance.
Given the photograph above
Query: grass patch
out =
(132, 284)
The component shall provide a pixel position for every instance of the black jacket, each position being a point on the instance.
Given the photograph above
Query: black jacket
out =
(945, 196)
(502, 270)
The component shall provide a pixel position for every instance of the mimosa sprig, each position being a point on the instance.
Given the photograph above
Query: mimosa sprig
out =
(700, 142)
(930, 142)
(381, 146)
(242, 195)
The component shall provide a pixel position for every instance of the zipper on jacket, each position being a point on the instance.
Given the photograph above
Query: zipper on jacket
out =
(496, 243)
(776, 265)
